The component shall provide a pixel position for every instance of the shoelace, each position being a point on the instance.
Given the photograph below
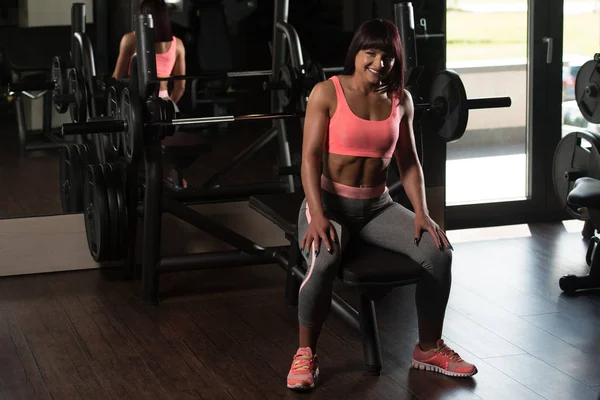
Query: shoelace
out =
(301, 363)
(447, 351)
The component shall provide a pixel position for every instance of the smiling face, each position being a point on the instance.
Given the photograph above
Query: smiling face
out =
(373, 64)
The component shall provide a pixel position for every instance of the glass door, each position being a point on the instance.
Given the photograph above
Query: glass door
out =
(495, 172)
(581, 40)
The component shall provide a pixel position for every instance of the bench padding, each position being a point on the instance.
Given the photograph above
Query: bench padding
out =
(585, 193)
(363, 264)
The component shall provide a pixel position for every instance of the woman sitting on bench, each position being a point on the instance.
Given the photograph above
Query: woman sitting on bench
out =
(355, 124)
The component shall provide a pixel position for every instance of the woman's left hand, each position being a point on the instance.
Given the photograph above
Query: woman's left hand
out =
(424, 223)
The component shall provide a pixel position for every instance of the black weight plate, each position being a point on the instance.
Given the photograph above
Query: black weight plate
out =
(71, 189)
(121, 191)
(87, 156)
(112, 253)
(96, 213)
(576, 155)
(77, 88)
(113, 100)
(587, 91)
(314, 74)
(450, 122)
(131, 113)
(288, 77)
(59, 78)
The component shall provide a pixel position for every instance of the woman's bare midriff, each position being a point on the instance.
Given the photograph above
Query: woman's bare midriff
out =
(355, 171)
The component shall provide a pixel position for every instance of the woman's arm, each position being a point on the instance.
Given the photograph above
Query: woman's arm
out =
(126, 50)
(315, 129)
(178, 69)
(406, 156)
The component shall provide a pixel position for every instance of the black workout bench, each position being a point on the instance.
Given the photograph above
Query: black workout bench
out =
(374, 271)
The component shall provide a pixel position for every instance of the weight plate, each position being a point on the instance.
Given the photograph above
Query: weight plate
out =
(449, 112)
(77, 89)
(71, 189)
(86, 155)
(289, 80)
(96, 213)
(131, 113)
(121, 191)
(587, 91)
(577, 155)
(112, 253)
(314, 75)
(59, 78)
(113, 99)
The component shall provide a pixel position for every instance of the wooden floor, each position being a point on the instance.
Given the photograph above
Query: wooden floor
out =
(226, 334)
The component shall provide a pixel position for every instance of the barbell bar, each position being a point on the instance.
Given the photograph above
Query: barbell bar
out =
(111, 125)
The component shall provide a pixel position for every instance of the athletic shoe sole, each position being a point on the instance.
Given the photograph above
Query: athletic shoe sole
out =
(434, 368)
(301, 387)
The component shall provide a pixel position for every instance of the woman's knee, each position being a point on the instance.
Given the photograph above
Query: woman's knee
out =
(437, 262)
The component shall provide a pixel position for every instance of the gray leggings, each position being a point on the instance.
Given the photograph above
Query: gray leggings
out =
(378, 221)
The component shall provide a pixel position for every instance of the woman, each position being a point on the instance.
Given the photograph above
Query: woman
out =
(170, 51)
(354, 124)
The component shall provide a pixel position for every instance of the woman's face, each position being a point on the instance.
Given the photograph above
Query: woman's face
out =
(374, 64)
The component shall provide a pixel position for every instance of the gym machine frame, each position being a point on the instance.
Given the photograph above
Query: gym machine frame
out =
(155, 203)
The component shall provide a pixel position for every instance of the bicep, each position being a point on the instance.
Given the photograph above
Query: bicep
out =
(316, 121)
(122, 64)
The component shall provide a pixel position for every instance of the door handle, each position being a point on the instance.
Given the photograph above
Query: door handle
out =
(549, 41)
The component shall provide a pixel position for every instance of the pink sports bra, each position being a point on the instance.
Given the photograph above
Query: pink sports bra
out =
(164, 61)
(353, 136)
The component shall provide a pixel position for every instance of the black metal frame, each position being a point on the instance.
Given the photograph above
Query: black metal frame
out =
(82, 58)
(159, 199)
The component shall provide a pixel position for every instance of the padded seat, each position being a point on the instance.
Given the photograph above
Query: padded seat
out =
(362, 265)
(367, 265)
(585, 193)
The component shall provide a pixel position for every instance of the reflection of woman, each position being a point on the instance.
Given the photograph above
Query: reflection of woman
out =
(170, 51)
(354, 124)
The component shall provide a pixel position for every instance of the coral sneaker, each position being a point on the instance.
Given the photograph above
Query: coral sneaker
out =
(443, 360)
(304, 371)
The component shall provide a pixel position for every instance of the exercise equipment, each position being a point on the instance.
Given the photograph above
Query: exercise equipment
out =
(446, 114)
(576, 172)
(577, 155)
(105, 212)
(587, 90)
(586, 194)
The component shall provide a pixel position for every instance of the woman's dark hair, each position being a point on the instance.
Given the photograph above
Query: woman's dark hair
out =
(382, 35)
(161, 18)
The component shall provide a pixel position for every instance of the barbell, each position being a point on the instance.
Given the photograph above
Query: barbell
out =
(445, 115)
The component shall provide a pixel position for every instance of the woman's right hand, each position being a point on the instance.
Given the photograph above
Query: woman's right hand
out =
(319, 229)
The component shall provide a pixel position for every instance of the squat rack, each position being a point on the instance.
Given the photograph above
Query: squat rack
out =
(247, 253)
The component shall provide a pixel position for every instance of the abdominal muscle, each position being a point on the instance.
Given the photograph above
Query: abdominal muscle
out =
(355, 171)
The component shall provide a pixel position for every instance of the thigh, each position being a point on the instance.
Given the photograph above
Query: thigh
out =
(341, 230)
(393, 229)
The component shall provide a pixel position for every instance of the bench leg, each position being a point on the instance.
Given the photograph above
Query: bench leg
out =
(370, 332)
(292, 283)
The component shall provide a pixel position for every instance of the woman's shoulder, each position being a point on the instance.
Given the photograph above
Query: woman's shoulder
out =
(324, 89)
(178, 43)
